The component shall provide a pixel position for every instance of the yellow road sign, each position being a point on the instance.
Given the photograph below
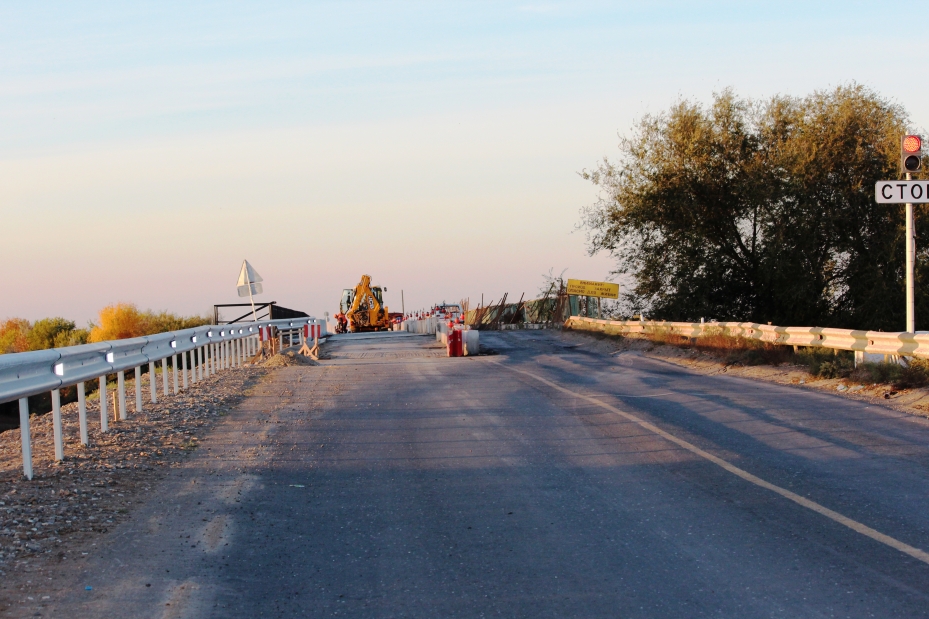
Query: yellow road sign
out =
(587, 288)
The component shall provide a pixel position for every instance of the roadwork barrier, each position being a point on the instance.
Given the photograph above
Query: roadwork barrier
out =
(202, 351)
(888, 344)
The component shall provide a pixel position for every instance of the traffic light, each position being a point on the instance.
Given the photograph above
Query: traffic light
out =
(911, 151)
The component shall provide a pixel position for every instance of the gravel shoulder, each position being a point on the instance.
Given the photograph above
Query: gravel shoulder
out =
(70, 505)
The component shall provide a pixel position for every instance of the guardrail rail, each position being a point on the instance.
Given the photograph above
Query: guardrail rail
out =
(203, 351)
(900, 344)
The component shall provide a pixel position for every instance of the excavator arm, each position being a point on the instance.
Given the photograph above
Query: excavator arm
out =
(366, 313)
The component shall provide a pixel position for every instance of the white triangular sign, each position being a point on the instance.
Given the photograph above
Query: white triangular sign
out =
(248, 275)
(248, 281)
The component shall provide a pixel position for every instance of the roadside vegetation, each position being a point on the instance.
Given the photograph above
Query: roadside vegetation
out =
(819, 362)
(114, 322)
(761, 211)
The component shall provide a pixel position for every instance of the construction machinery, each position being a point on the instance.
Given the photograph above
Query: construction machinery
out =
(363, 307)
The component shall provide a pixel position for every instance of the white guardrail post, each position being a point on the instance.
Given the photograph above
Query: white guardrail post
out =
(210, 348)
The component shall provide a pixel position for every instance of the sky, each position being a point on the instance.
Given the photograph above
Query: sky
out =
(146, 149)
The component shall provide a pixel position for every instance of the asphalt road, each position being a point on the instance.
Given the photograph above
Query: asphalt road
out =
(544, 481)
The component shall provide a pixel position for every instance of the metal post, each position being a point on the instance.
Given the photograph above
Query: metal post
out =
(104, 422)
(199, 364)
(82, 413)
(121, 389)
(164, 377)
(152, 385)
(910, 267)
(56, 425)
(25, 436)
(184, 368)
(138, 389)
(174, 371)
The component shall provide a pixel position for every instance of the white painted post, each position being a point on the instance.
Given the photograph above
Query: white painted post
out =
(138, 389)
(56, 425)
(280, 337)
(211, 360)
(174, 371)
(164, 377)
(82, 413)
(200, 363)
(104, 422)
(152, 384)
(121, 388)
(184, 368)
(25, 436)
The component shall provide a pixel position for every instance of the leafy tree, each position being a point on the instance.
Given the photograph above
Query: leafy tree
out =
(45, 332)
(14, 334)
(759, 211)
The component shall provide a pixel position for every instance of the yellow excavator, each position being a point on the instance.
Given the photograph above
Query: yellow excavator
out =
(363, 307)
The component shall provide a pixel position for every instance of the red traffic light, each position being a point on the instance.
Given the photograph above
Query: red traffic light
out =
(912, 144)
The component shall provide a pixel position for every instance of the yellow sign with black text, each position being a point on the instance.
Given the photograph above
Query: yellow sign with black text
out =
(585, 288)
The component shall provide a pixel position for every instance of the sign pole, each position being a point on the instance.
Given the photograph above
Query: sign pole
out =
(910, 267)
(252, 299)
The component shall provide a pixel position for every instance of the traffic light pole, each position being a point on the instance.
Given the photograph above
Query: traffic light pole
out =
(910, 267)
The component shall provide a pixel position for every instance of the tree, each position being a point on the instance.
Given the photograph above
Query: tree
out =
(759, 211)
(47, 331)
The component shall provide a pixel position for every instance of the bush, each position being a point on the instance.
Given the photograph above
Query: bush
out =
(44, 332)
(118, 321)
(14, 335)
(826, 363)
(741, 350)
(124, 320)
(911, 376)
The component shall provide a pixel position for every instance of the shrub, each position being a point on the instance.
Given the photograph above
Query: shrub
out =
(913, 375)
(14, 335)
(741, 350)
(876, 372)
(45, 332)
(124, 320)
(826, 363)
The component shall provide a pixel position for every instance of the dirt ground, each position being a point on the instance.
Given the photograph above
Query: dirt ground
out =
(913, 401)
(70, 504)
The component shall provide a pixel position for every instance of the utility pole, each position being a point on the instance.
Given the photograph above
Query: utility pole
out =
(910, 267)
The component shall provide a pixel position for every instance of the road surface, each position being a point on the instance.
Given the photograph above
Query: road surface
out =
(543, 481)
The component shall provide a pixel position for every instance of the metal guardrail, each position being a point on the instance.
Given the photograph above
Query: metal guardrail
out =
(872, 342)
(208, 349)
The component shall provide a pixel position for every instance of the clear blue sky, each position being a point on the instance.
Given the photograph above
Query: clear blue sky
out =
(147, 148)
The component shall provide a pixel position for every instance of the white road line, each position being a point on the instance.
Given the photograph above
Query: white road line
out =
(854, 525)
